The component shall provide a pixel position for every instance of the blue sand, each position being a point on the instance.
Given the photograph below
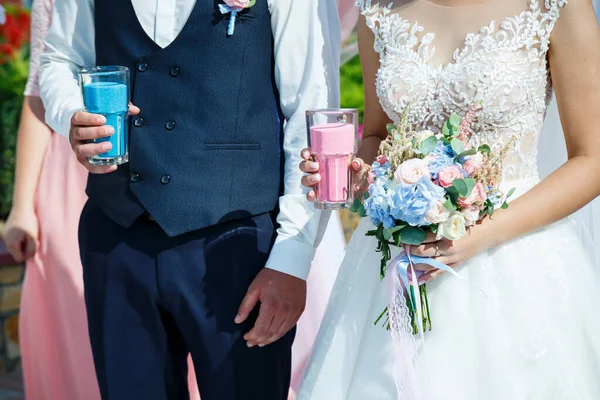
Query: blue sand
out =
(110, 99)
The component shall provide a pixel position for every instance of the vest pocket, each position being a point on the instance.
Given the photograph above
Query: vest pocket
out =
(232, 146)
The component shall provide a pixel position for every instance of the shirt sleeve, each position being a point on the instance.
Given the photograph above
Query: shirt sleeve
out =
(307, 41)
(69, 47)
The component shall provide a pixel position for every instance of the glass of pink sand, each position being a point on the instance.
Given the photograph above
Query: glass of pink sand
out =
(333, 140)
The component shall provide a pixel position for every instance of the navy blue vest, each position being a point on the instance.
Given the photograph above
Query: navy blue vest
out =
(206, 147)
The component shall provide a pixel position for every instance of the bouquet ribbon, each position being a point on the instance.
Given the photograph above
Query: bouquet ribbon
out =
(404, 263)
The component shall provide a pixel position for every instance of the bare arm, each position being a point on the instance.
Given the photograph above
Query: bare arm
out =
(32, 140)
(574, 62)
(21, 231)
(575, 66)
(375, 121)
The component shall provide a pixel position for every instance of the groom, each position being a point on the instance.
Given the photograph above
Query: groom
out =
(178, 246)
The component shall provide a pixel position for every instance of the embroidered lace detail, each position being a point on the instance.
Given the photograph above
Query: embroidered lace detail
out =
(503, 68)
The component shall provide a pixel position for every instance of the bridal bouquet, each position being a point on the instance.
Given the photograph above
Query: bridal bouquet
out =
(424, 182)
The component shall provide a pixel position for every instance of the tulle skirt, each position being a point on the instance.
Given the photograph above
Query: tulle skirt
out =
(523, 324)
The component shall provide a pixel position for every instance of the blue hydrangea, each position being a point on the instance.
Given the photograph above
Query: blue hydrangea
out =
(443, 157)
(377, 206)
(496, 198)
(381, 171)
(410, 203)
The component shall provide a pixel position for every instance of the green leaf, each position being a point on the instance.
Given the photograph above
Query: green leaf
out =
(251, 4)
(504, 205)
(467, 153)
(428, 145)
(355, 205)
(454, 120)
(448, 205)
(371, 233)
(464, 186)
(445, 141)
(387, 235)
(412, 235)
(390, 128)
(397, 238)
(511, 192)
(457, 145)
(452, 191)
(434, 228)
(361, 211)
(484, 148)
(446, 131)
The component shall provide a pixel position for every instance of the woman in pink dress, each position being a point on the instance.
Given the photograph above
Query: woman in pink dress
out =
(42, 229)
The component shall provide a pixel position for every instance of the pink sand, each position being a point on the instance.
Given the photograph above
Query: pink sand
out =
(333, 146)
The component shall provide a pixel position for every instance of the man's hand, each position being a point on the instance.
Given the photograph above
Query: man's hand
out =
(86, 127)
(282, 300)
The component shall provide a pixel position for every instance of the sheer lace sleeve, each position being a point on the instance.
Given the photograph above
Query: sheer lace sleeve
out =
(41, 14)
(550, 11)
(376, 15)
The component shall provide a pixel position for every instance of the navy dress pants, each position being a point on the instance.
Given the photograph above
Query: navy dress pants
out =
(152, 299)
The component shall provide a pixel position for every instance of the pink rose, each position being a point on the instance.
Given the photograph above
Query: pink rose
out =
(412, 171)
(477, 196)
(473, 163)
(382, 159)
(237, 4)
(447, 175)
(471, 166)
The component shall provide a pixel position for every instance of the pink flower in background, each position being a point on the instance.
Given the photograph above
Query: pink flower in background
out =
(237, 4)
(447, 175)
(382, 159)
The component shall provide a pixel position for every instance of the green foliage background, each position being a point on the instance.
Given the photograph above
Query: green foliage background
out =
(352, 86)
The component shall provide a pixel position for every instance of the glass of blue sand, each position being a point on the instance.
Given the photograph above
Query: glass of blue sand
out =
(105, 91)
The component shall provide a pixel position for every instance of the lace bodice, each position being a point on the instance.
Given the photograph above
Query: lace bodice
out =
(501, 67)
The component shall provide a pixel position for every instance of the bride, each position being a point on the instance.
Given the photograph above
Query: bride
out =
(523, 322)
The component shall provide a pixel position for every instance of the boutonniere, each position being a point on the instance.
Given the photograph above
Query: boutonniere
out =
(233, 7)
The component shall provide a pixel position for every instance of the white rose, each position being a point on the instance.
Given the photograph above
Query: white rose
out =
(437, 214)
(471, 215)
(453, 228)
(412, 171)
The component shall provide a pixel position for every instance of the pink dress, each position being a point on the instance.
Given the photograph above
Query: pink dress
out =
(55, 348)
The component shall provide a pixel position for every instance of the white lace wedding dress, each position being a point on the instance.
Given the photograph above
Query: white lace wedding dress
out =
(525, 324)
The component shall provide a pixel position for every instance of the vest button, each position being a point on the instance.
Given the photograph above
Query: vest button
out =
(142, 66)
(134, 178)
(170, 125)
(174, 71)
(138, 121)
(165, 179)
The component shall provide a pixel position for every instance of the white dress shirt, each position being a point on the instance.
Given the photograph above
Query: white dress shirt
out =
(306, 47)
